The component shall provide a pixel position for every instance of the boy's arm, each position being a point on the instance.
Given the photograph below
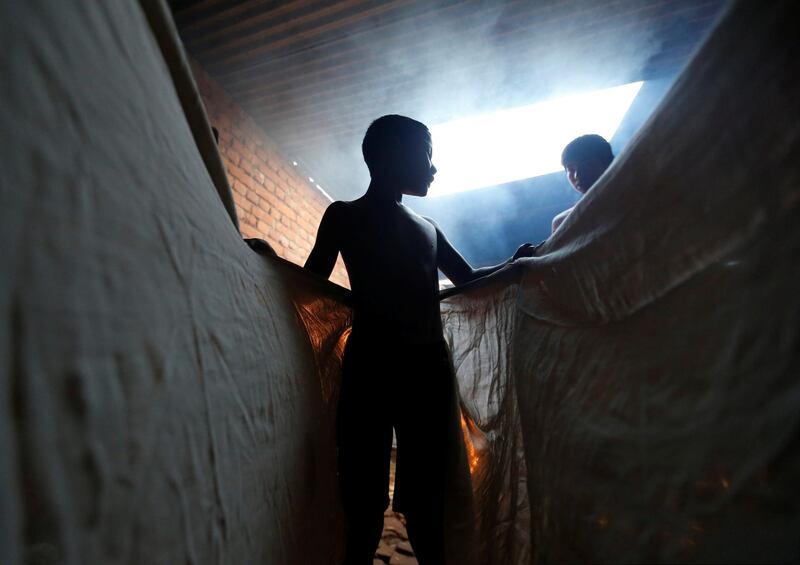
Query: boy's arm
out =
(326, 248)
(454, 266)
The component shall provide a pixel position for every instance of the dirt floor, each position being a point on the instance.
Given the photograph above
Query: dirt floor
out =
(394, 547)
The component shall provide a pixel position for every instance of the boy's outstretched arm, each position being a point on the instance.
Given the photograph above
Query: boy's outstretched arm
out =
(326, 248)
(455, 267)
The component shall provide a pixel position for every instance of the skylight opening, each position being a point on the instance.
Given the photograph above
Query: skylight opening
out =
(523, 142)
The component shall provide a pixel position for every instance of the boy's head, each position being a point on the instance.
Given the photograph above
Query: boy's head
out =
(584, 159)
(398, 151)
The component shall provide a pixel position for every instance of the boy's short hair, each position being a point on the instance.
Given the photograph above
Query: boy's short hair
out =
(585, 147)
(387, 133)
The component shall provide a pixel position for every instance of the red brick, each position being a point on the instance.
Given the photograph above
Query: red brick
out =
(232, 156)
(237, 173)
(262, 214)
(244, 217)
(272, 199)
(241, 202)
(247, 231)
(238, 187)
(262, 155)
(286, 211)
(252, 185)
(252, 196)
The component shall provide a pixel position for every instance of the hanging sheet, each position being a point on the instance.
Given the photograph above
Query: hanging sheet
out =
(652, 351)
(161, 398)
(168, 395)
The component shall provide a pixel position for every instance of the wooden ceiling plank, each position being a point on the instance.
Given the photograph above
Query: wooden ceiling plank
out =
(357, 55)
(194, 10)
(357, 62)
(263, 42)
(353, 84)
(324, 84)
(319, 54)
(285, 16)
(225, 18)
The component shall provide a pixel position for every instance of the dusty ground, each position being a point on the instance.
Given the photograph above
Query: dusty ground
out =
(394, 547)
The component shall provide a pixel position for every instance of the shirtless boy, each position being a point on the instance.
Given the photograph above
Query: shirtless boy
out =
(584, 159)
(396, 372)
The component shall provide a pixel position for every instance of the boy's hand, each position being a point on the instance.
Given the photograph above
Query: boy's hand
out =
(260, 246)
(525, 250)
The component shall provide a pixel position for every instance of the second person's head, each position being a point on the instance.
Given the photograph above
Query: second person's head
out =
(584, 159)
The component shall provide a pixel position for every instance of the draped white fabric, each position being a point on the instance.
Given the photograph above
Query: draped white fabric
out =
(160, 397)
(167, 395)
(653, 348)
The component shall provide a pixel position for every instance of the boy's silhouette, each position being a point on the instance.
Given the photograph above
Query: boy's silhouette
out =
(584, 159)
(396, 371)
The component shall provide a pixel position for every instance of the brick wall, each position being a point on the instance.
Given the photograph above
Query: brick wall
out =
(272, 200)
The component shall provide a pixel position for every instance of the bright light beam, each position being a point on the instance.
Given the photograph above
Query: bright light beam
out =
(523, 142)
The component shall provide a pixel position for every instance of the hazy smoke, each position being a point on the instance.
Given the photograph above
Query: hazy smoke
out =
(461, 61)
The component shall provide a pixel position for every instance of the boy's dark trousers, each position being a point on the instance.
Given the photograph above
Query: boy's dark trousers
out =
(408, 387)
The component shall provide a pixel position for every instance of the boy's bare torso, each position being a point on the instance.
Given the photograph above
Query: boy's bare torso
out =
(391, 257)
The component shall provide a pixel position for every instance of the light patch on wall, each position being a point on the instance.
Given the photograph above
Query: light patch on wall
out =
(522, 142)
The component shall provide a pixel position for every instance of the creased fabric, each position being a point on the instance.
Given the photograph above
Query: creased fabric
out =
(653, 348)
(169, 396)
(161, 396)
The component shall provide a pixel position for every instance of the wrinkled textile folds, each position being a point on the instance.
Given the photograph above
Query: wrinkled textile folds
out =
(169, 396)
